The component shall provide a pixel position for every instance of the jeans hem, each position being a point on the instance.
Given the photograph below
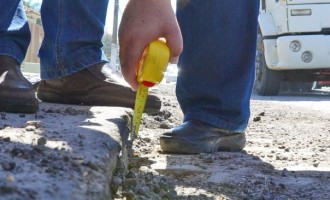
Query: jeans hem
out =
(51, 72)
(217, 122)
(7, 51)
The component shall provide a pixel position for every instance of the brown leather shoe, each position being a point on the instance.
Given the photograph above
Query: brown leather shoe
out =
(16, 92)
(96, 85)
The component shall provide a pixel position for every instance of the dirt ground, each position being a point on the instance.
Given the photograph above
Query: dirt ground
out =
(286, 156)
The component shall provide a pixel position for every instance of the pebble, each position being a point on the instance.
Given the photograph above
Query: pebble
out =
(8, 166)
(91, 165)
(284, 172)
(130, 195)
(7, 189)
(6, 139)
(132, 183)
(143, 191)
(10, 178)
(81, 136)
(165, 125)
(30, 128)
(36, 124)
(117, 180)
(146, 139)
(257, 119)
(207, 158)
(172, 194)
(42, 141)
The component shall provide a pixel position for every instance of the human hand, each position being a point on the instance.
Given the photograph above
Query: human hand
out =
(144, 21)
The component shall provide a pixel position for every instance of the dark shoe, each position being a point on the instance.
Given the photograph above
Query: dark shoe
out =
(16, 92)
(97, 85)
(193, 137)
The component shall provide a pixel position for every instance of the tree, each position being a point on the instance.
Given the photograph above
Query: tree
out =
(106, 40)
(33, 6)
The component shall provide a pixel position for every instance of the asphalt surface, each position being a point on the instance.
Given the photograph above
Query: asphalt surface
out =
(70, 152)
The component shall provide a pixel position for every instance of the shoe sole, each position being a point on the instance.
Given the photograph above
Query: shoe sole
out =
(232, 143)
(19, 105)
(53, 97)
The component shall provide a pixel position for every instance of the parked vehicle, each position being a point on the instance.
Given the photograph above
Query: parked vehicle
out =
(293, 43)
(171, 73)
(320, 84)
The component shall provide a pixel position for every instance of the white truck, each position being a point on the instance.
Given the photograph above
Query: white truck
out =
(293, 43)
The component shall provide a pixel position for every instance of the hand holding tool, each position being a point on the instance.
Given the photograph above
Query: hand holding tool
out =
(151, 71)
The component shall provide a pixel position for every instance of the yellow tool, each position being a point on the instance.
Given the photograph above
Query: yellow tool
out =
(151, 70)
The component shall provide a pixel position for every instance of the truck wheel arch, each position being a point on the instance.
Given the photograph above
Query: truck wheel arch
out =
(267, 25)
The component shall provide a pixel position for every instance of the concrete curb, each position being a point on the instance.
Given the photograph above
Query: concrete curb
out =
(62, 152)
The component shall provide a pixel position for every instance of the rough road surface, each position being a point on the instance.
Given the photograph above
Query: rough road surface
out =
(286, 156)
(71, 152)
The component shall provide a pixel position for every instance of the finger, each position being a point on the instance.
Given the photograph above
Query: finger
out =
(130, 58)
(174, 42)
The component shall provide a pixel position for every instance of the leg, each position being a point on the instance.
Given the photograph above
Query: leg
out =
(73, 64)
(73, 33)
(216, 70)
(16, 93)
(14, 29)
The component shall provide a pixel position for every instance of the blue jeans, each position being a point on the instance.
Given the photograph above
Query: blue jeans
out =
(73, 32)
(217, 65)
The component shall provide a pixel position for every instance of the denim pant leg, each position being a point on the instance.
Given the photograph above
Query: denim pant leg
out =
(216, 67)
(73, 33)
(14, 30)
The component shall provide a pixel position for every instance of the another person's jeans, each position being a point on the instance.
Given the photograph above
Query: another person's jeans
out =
(73, 32)
(217, 66)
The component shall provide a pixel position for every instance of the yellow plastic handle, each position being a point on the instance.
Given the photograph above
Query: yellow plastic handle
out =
(153, 63)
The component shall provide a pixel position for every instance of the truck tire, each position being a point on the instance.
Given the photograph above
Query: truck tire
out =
(267, 82)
